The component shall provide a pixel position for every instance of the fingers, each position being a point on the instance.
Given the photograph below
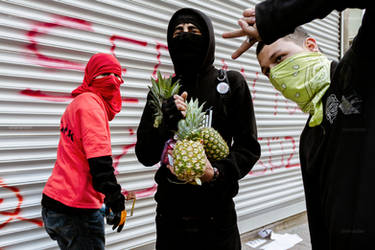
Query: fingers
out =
(119, 229)
(208, 172)
(184, 95)
(180, 102)
(249, 29)
(233, 34)
(119, 221)
(131, 195)
(113, 220)
(253, 37)
(249, 12)
(244, 47)
(249, 20)
(180, 98)
(180, 105)
(249, 17)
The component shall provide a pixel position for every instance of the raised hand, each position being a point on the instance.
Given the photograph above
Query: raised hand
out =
(248, 28)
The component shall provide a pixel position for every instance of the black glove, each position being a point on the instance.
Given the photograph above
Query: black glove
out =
(115, 212)
(171, 115)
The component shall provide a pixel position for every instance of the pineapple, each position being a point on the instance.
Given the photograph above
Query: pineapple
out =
(214, 145)
(189, 160)
(161, 89)
(194, 143)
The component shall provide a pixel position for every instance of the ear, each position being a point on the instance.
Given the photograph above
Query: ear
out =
(311, 45)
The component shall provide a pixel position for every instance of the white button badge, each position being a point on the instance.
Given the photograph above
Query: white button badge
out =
(222, 88)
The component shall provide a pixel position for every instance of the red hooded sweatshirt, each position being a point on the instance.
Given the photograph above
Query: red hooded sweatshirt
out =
(85, 134)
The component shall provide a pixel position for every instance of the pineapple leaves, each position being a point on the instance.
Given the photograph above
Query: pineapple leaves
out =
(161, 89)
(189, 127)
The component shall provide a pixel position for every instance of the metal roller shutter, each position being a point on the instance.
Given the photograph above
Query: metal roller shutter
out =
(44, 46)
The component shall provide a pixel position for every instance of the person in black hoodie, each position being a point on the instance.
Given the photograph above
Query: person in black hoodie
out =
(192, 216)
(336, 148)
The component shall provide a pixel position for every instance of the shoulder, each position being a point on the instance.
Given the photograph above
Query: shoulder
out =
(235, 77)
(89, 106)
(88, 101)
(236, 80)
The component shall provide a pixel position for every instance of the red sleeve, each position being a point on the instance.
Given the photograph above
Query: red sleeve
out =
(94, 128)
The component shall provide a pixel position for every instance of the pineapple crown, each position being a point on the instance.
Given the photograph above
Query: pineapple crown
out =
(161, 89)
(189, 128)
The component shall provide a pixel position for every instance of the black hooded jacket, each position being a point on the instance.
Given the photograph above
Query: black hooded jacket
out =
(237, 127)
(337, 156)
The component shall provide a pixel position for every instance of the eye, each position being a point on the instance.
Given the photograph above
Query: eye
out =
(106, 74)
(194, 30)
(177, 30)
(118, 77)
(279, 59)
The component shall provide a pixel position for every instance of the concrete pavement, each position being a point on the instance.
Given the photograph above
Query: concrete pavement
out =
(294, 225)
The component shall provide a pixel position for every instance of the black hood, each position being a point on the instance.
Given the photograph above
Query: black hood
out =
(207, 31)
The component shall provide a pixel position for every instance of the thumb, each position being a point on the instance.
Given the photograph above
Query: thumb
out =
(184, 95)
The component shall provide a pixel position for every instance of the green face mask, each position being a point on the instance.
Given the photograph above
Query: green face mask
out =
(304, 78)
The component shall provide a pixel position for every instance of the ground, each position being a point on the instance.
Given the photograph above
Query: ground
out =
(294, 225)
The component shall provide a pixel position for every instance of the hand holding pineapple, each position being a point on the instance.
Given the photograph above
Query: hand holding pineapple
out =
(208, 172)
(195, 146)
(165, 100)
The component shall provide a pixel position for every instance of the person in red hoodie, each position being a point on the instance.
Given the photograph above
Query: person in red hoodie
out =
(83, 177)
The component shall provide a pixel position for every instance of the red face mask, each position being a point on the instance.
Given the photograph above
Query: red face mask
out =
(107, 87)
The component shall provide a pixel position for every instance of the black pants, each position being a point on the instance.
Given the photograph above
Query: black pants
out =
(199, 233)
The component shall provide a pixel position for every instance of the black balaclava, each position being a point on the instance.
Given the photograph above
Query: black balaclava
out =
(189, 51)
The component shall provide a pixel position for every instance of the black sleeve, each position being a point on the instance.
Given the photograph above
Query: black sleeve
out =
(151, 140)
(245, 150)
(277, 18)
(104, 181)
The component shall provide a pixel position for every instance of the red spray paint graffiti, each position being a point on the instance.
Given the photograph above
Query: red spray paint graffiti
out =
(276, 100)
(125, 39)
(225, 65)
(53, 97)
(253, 85)
(158, 48)
(125, 149)
(44, 28)
(286, 158)
(243, 72)
(291, 107)
(142, 193)
(15, 214)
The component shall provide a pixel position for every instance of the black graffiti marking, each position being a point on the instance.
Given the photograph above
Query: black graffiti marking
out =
(66, 131)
